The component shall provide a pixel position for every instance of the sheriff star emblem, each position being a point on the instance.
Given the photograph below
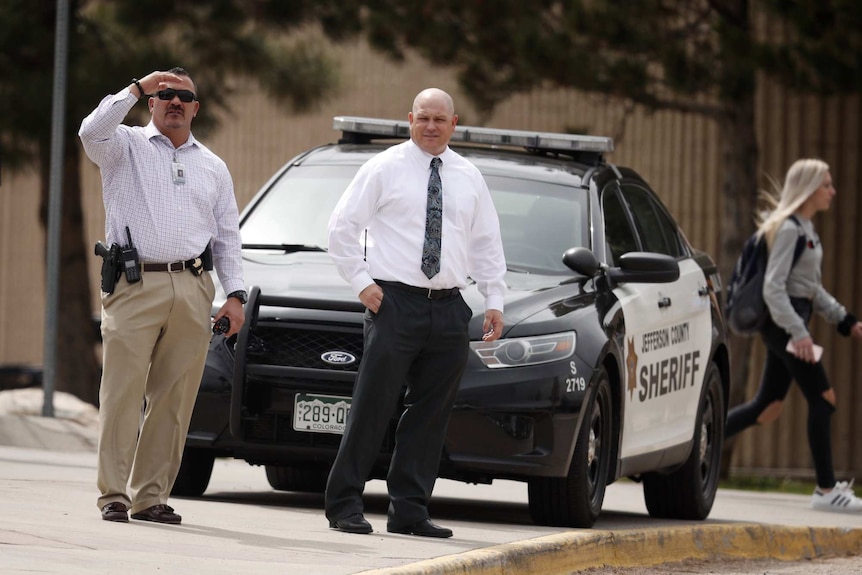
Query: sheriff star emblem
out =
(631, 367)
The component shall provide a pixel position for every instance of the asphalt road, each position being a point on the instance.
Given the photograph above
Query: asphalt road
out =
(51, 525)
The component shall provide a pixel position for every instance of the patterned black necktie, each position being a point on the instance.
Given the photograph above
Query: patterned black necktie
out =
(433, 222)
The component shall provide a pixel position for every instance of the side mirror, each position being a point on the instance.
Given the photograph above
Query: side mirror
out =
(582, 261)
(645, 267)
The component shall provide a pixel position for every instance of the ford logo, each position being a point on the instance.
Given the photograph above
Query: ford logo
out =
(338, 358)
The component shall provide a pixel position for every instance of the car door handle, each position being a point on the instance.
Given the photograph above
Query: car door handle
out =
(703, 291)
(663, 302)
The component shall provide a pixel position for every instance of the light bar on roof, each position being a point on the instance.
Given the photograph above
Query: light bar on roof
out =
(372, 126)
(478, 135)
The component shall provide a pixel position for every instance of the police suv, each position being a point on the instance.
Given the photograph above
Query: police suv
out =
(613, 361)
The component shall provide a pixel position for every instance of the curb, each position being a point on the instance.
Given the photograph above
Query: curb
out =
(564, 553)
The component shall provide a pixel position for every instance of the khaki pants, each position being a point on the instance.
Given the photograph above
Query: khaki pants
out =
(155, 335)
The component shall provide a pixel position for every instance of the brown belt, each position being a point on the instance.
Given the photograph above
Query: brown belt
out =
(169, 267)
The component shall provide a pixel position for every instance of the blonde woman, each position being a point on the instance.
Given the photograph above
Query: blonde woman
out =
(792, 292)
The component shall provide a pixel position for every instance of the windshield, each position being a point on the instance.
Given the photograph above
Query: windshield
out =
(296, 210)
(538, 220)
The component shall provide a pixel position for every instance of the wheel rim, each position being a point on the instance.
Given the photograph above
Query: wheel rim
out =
(707, 442)
(596, 444)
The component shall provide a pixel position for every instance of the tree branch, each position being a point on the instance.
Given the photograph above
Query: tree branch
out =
(739, 21)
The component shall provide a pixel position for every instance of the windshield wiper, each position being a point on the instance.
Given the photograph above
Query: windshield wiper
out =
(288, 248)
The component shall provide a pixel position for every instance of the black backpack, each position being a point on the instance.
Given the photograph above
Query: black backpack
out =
(746, 312)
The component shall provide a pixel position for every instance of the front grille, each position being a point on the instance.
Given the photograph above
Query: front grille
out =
(302, 346)
(284, 357)
(278, 429)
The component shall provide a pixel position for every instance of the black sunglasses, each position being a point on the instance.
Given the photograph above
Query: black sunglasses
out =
(184, 95)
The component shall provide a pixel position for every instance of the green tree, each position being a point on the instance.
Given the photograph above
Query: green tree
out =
(223, 43)
(695, 56)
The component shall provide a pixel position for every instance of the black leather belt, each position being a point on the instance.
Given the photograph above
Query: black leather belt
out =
(169, 267)
(427, 292)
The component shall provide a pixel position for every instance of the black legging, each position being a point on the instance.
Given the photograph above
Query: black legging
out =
(780, 369)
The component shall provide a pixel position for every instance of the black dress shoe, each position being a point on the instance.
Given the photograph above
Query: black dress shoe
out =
(115, 511)
(424, 528)
(159, 514)
(352, 524)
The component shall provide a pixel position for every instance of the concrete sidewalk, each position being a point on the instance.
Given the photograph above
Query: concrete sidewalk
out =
(51, 463)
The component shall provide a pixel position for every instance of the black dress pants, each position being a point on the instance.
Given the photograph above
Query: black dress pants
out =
(780, 370)
(420, 343)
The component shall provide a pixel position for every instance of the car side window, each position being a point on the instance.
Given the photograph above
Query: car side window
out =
(656, 230)
(619, 236)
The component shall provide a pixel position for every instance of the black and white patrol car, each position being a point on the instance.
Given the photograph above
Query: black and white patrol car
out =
(613, 362)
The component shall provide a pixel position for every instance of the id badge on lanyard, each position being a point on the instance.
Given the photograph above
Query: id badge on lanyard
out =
(178, 171)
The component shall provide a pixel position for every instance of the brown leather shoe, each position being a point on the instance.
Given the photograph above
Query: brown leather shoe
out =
(159, 513)
(115, 511)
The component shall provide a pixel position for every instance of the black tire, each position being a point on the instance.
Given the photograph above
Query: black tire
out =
(576, 500)
(689, 492)
(195, 472)
(307, 480)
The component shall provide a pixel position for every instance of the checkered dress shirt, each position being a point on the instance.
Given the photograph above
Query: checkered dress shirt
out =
(168, 221)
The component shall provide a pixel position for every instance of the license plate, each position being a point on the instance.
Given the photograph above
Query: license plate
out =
(320, 413)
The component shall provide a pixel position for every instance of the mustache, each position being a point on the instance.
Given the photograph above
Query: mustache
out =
(178, 109)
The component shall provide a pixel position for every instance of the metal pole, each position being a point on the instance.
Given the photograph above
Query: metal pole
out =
(55, 204)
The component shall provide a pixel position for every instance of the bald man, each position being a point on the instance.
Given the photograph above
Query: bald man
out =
(432, 227)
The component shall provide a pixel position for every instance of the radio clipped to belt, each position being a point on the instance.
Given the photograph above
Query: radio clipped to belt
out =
(131, 263)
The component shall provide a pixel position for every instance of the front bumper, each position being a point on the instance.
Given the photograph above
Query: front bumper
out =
(510, 423)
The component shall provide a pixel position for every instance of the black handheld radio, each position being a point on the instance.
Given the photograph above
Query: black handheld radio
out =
(222, 325)
(130, 260)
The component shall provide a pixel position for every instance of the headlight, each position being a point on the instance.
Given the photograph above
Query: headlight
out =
(525, 350)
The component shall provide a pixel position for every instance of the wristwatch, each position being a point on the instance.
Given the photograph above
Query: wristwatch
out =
(137, 83)
(240, 295)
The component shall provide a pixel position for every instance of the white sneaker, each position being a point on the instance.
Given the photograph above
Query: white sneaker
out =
(840, 499)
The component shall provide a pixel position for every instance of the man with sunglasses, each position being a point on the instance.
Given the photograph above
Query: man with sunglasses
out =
(169, 199)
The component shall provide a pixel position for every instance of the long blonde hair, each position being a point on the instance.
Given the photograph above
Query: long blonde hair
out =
(803, 178)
